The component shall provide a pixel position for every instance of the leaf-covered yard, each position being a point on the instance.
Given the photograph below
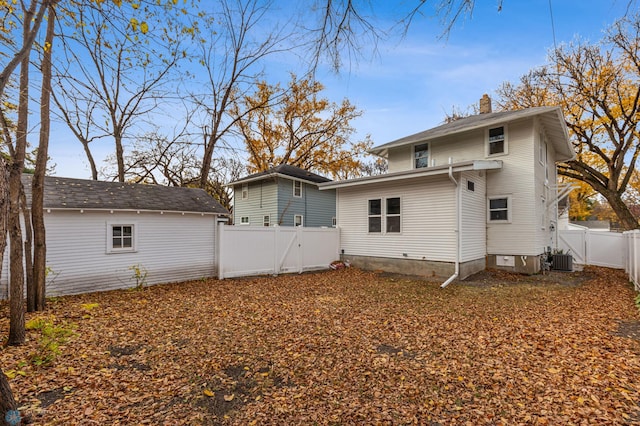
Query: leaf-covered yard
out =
(341, 347)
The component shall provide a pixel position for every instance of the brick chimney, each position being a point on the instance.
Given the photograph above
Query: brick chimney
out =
(485, 104)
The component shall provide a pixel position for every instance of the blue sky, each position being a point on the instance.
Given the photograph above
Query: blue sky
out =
(412, 83)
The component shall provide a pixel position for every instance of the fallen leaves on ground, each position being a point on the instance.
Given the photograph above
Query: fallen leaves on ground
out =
(346, 347)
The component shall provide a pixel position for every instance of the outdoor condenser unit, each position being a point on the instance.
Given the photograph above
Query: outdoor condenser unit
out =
(562, 262)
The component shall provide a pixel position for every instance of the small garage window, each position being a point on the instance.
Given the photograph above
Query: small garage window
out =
(121, 237)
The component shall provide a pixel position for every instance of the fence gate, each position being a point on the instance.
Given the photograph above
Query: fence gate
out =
(595, 247)
(252, 250)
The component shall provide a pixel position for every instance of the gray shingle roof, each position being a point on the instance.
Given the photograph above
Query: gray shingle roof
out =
(60, 193)
(551, 117)
(286, 170)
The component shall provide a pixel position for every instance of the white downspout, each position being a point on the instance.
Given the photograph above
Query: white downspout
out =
(458, 224)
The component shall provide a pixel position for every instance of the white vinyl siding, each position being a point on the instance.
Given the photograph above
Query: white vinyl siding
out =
(81, 265)
(522, 235)
(474, 224)
(400, 159)
(427, 216)
(545, 188)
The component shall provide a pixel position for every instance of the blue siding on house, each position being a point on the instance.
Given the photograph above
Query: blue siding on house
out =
(261, 202)
(316, 207)
(274, 197)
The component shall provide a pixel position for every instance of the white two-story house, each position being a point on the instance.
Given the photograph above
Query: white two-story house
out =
(474, 193)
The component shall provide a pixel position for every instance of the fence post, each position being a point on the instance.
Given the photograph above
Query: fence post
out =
(220, 251)
(276, 236)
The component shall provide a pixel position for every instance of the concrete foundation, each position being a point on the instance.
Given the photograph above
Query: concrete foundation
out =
(520, 264)
(423, 268)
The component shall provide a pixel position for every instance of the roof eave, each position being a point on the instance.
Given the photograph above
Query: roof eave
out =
(268, 176)
(412, 174)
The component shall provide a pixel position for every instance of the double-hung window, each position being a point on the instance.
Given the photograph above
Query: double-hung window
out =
(266, 220)
(421, 155)
(297, 188)
(393, 214)
(120, 238)
(298, 220)
(497, 141)
(384, 211)
(375, 215)
(500, 209)
(245, 191)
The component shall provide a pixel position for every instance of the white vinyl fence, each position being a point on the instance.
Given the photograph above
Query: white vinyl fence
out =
(632, 267)
(597, 248)
(252, 250)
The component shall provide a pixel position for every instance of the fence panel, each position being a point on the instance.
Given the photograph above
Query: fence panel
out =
(632, 266)
(595, 247)
(246, 250)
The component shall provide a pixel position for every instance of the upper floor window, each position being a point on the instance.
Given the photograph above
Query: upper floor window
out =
(542, 149)
(245, 191)
(421, 155)
(497, 143)
(297, 188)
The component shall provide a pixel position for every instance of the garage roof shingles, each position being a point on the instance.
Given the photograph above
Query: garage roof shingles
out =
(60, 193)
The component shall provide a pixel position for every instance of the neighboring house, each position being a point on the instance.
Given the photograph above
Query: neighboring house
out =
(283, 195)
(97, 232)
(477, 192)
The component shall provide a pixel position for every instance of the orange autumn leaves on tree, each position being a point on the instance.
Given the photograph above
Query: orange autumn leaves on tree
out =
(597, 87)
(297, 126)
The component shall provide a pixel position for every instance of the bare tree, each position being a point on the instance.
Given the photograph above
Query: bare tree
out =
(116, 71)
(232, 64)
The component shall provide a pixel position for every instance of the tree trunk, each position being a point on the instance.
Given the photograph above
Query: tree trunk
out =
(28, 245)
(119, 156)
(626, 218)
(16, 267)
(7, 402)
(37, 187)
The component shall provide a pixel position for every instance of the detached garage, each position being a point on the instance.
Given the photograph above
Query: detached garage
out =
(98, 232)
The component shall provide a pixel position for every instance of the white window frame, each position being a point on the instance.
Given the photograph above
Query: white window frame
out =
(297, 185)
(505, 143)
(384, 215)
(134, 237)
(388, 215)
(266, 220)
(295, 220)
(509, 208)
(415, 158)
(245, 191)
(542, 149)
(242, 222)
(543, 221)
(379, 216)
